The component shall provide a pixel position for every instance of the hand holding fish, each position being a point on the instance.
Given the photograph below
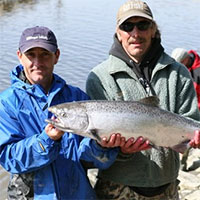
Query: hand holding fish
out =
(132, 145)
(53, 132)
(115, 140)
(195, 142)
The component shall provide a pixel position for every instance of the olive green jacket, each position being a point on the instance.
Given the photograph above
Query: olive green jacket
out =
(172, 83)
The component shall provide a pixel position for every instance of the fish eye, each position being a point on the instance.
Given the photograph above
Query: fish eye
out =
(63, 114)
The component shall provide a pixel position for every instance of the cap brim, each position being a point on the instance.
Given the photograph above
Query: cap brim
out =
(136, 14)
(47, 46)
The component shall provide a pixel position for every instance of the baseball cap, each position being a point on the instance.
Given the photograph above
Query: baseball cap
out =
(38, 36)
(133, 8)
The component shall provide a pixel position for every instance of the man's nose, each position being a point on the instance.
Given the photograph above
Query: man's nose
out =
(38, 61)
(135, 31)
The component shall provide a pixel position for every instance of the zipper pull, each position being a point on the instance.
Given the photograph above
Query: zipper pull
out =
(145, 84)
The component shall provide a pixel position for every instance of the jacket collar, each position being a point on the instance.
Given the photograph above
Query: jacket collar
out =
(35, 89)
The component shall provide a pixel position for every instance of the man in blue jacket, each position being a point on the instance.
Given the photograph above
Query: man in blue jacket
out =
(45, 163)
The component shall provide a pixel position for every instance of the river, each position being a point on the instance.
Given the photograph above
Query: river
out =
(84, 29)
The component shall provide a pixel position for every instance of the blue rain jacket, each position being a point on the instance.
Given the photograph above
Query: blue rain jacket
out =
(25, 147)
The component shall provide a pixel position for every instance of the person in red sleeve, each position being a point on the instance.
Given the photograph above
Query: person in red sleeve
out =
(191, 60)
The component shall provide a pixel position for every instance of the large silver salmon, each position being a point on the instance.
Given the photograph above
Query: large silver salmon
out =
(96, 119)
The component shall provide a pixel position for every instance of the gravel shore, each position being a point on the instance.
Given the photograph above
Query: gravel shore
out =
(190, 180)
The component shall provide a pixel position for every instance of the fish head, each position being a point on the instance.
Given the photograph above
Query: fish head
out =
(69, 118)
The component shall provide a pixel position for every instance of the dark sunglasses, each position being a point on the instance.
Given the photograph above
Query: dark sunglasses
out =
(141, 25)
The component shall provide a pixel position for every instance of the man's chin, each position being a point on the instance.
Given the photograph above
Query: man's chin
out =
(137, 52)
(38, 80)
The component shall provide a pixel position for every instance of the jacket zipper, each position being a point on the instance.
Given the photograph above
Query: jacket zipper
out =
(145, 85)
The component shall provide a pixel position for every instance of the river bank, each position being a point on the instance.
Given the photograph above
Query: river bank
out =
(12, 1)
(6, 2)
(190, 180)
(10, 5)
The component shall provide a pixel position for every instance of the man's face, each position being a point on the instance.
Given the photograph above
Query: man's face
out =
(136, 42)
(38, 65)
(187, 62)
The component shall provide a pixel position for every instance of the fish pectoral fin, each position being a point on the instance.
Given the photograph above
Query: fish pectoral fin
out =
(94, 134)
(182, 147)
(152, 101)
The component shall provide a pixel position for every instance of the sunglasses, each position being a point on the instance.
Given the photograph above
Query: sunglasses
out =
(141, 26)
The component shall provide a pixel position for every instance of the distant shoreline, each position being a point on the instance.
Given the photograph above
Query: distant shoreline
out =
(12, 1)
(6, 1)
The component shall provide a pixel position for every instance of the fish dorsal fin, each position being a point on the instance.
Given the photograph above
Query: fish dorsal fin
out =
(151, 101)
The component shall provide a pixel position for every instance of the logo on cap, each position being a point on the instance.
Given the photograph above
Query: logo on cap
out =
(37, 37)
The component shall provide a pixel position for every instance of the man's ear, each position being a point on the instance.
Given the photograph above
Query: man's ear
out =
(154, 29)
(19, 55)
(57, 56)
(118, 34)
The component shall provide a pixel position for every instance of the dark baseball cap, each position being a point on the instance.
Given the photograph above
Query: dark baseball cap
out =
(38, 36)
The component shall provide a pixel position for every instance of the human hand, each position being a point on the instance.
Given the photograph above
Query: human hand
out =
(115, 140)
(53, 132)
(132, 145)
(195, 142)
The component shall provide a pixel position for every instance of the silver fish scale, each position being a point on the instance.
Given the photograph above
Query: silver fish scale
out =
(113, 106)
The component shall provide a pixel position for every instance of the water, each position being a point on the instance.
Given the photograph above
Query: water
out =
(84, 30)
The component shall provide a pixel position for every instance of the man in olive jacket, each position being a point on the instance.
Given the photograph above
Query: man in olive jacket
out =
(138, 67)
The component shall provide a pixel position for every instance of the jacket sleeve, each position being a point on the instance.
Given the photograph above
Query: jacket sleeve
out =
(92, 152)
(19, 153)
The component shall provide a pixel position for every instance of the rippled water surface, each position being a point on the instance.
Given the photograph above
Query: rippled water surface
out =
(84, 29)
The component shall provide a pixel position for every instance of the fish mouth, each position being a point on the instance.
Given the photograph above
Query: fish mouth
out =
(51, 121)
(54, 121)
